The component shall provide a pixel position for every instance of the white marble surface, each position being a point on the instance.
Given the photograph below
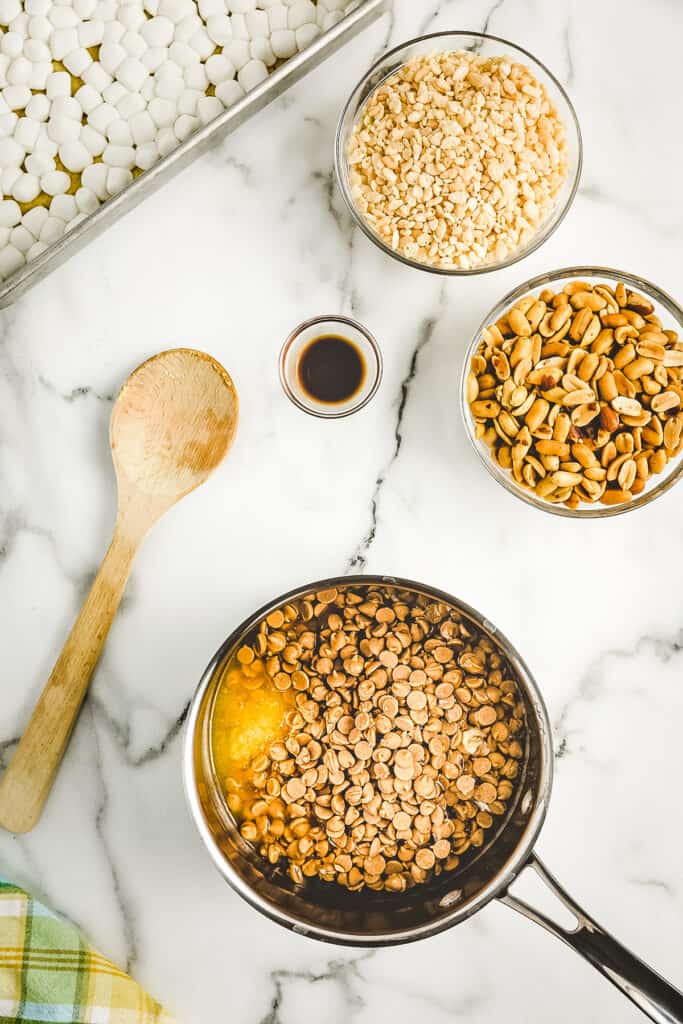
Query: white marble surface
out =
(228, 257)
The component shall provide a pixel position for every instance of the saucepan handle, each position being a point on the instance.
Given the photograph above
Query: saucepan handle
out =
(659, 1000)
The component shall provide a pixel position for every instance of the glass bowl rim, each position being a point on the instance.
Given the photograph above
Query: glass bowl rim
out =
(503, 478)
(339, 318)
(341, 163)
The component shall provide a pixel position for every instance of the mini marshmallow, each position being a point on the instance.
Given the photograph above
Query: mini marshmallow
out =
(4, 236)
(38, 107)
(101, 116)
(142, 128)
(84, 8)
(187, 28)
(105, 10)
(202, 44)
(8, 177)
(252, 74)
(114, 93)
(55, 182)
(238, 24)
(36, 51)
(10, 213)
(152, 7)
(219, 68)
(97, 77)
(117, 179)
(26, 188)
(219, 29)
(302, 12)
(34, 219)
(87, 98)
(283, 42)
(93, 140)
(260, 49)
(208, 8)
(66, 106)
(19, 71)
(331, 19)
(90, 33)
(62, 17)
(119, 133)
(26, 132)
(242, 6)
(146, 155)
(63, 41)
(111, 56)
(10, 260)
(11, 44)
(39, 28)
(257, 23)
(185, 125)
(119, 156)
(113, 32)
(58, 84)
(11, 153)
(8, 122)
(16, 96)
(181, 54)
(36, 249)
(176, 10)
(129, 105)
(132, 73)
(63, 129)
(196, 77)
(52, 230)
(162, 111)
(229, 93)
(134, 44)
(187, 104)
(277, 17)
(77, 61)
(154, 57)
(40, 72)
(75, 156)
(64, 207)
(305, 35)
(86, 200)
(39, 164)
(167, 141)
(168, 88)
(157, 31)
(131, 15)
(21, 237)
(208, 107)
(95, 179)
(238, 52)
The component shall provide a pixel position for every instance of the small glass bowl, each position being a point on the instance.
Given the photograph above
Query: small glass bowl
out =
(307, 332)
(671, 316)
(486, 46)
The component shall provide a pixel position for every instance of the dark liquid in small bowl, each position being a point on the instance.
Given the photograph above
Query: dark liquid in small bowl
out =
(331, 369)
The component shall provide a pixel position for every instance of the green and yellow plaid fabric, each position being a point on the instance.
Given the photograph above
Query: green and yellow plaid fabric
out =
(49, 974)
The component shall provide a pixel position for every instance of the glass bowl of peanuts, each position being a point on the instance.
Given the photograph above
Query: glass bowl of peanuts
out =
(572, 392)
(458, 153)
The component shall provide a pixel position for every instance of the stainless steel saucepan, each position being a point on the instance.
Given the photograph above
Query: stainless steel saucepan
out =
(331, 913)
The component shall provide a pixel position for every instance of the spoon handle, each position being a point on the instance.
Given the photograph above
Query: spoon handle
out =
(25, 786)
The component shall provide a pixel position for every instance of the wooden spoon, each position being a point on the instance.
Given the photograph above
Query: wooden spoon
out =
(173, 422)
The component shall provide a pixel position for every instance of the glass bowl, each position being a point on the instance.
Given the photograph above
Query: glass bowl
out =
(486, 46)
(671, 316)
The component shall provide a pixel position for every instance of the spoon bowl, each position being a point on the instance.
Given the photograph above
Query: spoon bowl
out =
(173, 422)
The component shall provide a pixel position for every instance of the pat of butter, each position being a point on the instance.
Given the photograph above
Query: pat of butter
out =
(245, 721)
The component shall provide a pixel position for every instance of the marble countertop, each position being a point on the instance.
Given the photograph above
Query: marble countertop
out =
(244, 244)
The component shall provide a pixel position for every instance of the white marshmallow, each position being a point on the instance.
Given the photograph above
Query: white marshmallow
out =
(157, 31)
(131, 15)
(84, 8)
(134, 44)
(11, 45)
(219, 68)
(101, 116)
(52, 230)
(154, 57)
(34, 219)
(19, 71)
(95, 178)
(11, 153)
(9, 9)
(8, 122)
(75, 156)
(66, 106)
(142, 128)
(26, 132)
(302, 12)
(146, 155)
(62, 16)
(93, 140)
(16, 96)
(229, 93)
(8, 176)
(4, 236)
(176, 10)
(305, 35)
(87, 98)
(181, 54)
(63, 129)
(132, 73)
(97, 77)
(208, 107)
(105, 10)
(147, 91)
(196, 77)
(111, 56)
(238, 52)
(129, 105)
(40, 72)
(202, 44)
(86, 200)
(169, 88)
(10, 214)
(77, 61)
(64, 207)
(63, 41)
(113, 32)
(152, 7)
(45, 144)
(36, 249)
(242, 6)
(331, 19)
(167, 141)
(55, 182)
(219, 29)
(283, 42)
(26, 188)
(119, 156)
(162, 111)
(277, 17)
(117, 179)
(187, 28)
(238, 24)
(90, 33)
(39, 164)
(21, 237)
(58, 84)
(10, 260)
(119, 133)
(39, 28)
(114, 93)
(36, 51)
(187, 104)
(260, 49)
(252, 74)
(38, 107)
(207, 8)
(185, 125)
(257, 23)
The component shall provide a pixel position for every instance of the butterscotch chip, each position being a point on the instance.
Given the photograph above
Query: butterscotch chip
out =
(441, 848)
(245, 655)
(443, 655)
(416, 700)
(425, 859)
(486, 715)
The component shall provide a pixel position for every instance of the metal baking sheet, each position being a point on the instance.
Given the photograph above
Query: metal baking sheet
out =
(209, 135)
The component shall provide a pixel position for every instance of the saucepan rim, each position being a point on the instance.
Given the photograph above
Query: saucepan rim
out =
(501, 881)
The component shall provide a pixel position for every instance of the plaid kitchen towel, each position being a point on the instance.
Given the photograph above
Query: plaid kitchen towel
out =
(49, 974)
